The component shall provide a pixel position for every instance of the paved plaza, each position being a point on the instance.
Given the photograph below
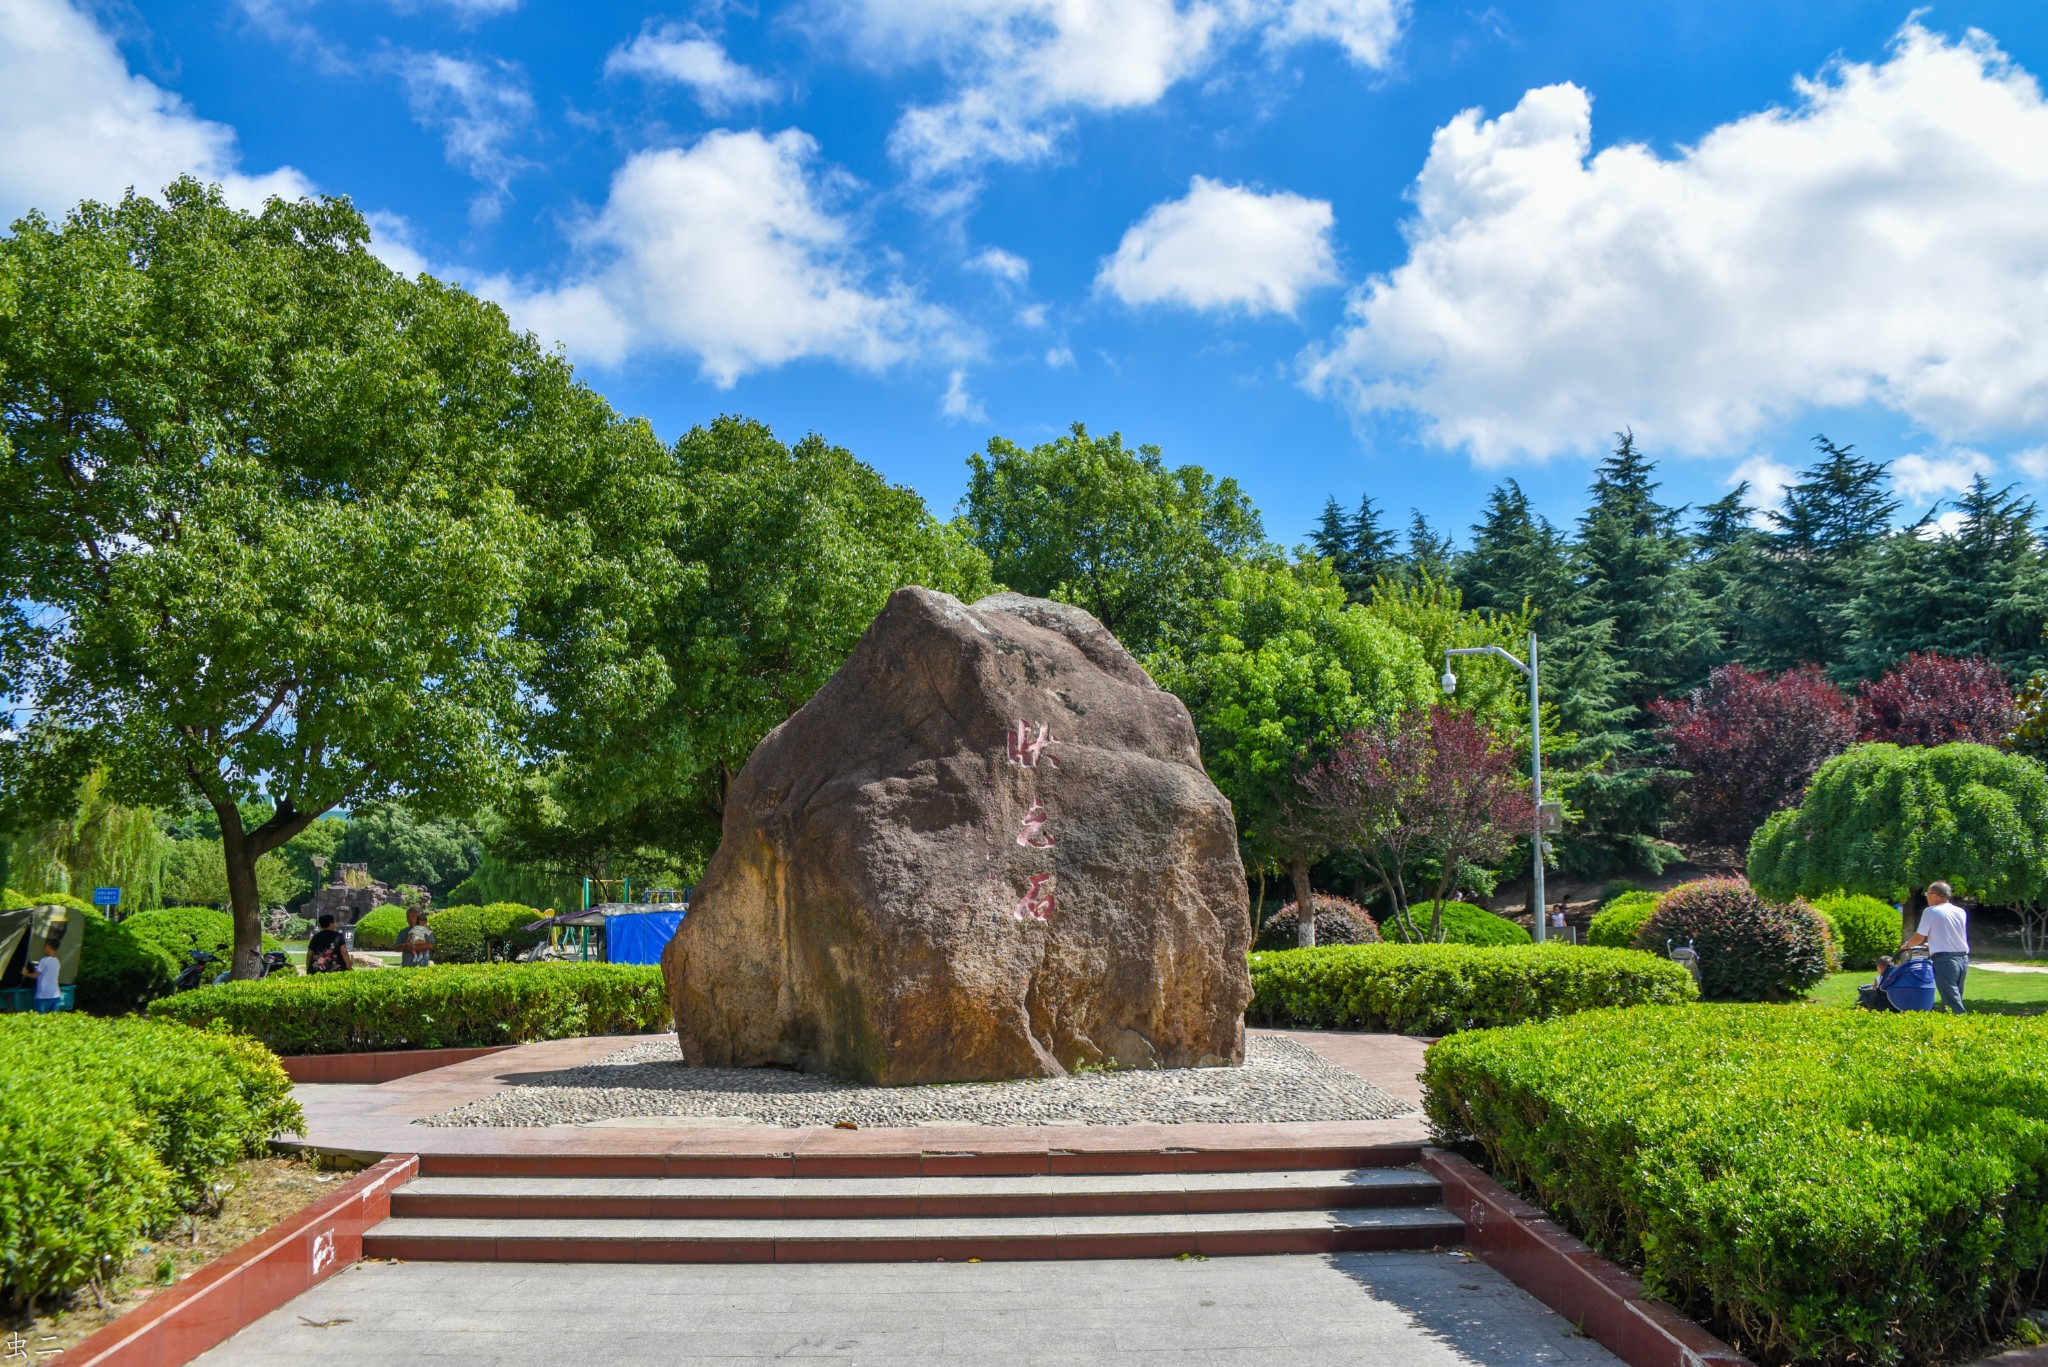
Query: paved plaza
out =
(1358, 1309)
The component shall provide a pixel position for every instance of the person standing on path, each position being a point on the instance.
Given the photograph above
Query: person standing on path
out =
(49, 996)
(1945, 930)
(327, 951)
(416, 943)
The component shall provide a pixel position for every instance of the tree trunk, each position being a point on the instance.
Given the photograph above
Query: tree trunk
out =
(1259, 910)
(1304, 904)
(243, 902)
(1909, 913)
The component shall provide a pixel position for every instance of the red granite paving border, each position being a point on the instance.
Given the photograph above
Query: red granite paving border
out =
(1540, 1256)
(241, 1286)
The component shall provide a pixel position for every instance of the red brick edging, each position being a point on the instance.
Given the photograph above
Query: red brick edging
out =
(238, 1288)
(381, 1066)
(1538, 1255)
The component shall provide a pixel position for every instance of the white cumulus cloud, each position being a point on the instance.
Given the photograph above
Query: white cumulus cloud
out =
(1224, 247)
(1007, 267)
(691, 60)
(1885, 240)
(76, 124)
(1930, 476)
(731, 251)
(1020, 70)
(958, 404)
(1767, 480)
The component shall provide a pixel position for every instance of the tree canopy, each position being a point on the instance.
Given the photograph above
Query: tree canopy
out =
(1887, 820)
(284, 514)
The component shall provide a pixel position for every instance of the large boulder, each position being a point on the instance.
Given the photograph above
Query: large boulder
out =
(986, 848)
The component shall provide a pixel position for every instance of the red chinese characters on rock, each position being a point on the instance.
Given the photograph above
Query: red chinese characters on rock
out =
(1025, 748)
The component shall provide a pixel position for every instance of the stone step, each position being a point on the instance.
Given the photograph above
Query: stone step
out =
(770, 1198)
(858, 1160)
(1040, 1237)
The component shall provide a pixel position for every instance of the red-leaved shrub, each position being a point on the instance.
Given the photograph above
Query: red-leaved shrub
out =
(1750, 950)
(1751, 743)
(1339, 921)
(1934, 699)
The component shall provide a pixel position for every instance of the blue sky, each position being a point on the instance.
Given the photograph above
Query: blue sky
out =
(1320, 245)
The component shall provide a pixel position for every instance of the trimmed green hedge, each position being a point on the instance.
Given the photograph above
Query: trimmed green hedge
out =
(378, 928)
(487, 934)
(119, 970)
(17, 901)
(114, 1128)
(1820, 1187)
(443, 1007)
(1863, 927)
(1620, 920)
(179, 930)
(1436, 989)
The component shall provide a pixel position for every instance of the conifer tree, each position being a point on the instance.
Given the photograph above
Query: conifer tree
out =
(1639, 577)
(1728, 562)
(1373, 552)
(1430, 553)
(1981, 589)
(1815, 556)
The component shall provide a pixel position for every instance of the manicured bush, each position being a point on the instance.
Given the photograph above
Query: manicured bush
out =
(487, 934)
(1863, 927)
(1821, 1187)
(1464, 924)
(17, 901)
(1436, 989)
(1620, 920)
(378, 928)
(113, 1128)
(119, 970)
(446, 1006)
(1339, 921)
(1750, 950)
(179, 930)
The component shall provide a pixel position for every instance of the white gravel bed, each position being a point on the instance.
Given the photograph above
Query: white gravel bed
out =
(1281, 1080)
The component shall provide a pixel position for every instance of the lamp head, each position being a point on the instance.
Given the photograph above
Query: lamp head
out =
(1450, 680)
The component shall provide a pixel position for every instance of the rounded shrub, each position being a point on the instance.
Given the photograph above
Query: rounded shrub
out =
(119, 970)
(1864, 927)
(1620, 919)
(177, 930)
(379, 928)
(1464, 924)
(1750, 950)
(1339, 921)
(485, 934)
(17, 901)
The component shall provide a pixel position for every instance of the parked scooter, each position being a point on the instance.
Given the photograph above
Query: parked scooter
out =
(194, 972)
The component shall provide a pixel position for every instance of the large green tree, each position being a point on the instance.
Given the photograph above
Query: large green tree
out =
(287, 517)
(1816, 554)
(1887, 820)
(1978, 588)
(782, 555)
(1092, 522)
(1281, 668)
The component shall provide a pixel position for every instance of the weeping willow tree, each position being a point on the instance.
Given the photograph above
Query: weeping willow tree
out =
(100, 843)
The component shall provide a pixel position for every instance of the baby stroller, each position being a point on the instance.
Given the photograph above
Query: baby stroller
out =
(1905, 985)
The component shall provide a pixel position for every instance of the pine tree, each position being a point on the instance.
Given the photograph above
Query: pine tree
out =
(1979, 590)
(1430, 553)
(1815, 557)
(1373, 552)
(1728, 561)
(1639, 577)
(1331, 540)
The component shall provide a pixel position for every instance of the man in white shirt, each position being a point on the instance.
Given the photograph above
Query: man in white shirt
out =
(1945, 930)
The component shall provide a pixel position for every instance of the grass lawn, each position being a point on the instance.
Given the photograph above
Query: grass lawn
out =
(2005, 994)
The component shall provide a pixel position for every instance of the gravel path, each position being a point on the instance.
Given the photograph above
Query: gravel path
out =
(1280, 1081)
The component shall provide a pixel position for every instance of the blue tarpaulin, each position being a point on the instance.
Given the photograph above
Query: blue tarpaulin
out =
(639, 937)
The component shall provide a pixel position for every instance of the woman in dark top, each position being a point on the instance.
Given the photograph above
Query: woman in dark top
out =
(327, 951)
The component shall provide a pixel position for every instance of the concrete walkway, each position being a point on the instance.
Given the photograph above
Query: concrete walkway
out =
(1360, 1309)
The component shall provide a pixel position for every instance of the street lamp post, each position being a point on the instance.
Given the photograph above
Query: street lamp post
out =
(1529, 671)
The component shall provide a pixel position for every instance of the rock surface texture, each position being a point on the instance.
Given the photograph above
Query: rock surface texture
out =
(985, 849)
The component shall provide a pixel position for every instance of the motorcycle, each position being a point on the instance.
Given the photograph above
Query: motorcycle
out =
(194, 972)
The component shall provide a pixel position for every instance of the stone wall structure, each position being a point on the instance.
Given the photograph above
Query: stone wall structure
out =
(986, 848)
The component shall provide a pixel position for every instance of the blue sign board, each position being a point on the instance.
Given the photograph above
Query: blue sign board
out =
(106, 897)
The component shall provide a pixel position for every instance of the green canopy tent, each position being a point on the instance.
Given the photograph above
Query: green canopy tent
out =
(23, 932)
